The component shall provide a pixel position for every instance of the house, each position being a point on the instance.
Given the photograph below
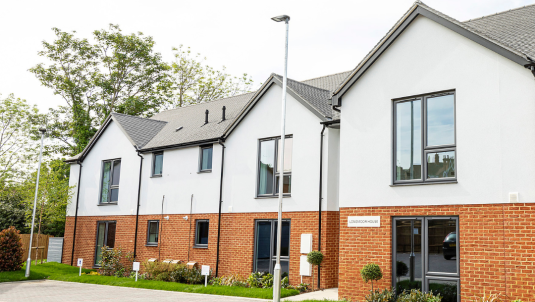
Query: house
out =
(436, 134)
(418, 160)
(159, 186)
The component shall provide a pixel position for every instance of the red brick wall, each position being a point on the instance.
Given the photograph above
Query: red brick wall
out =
(497, 248)
(237, 240)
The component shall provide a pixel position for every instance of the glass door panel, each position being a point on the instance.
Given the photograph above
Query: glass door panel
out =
(408, 254)
(263, 246)
(101, 236)
(266, 246)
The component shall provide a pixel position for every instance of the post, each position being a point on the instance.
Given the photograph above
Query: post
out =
(277, 270)
(136, 276)
(205, 280)
(80, 273)
(29, 260)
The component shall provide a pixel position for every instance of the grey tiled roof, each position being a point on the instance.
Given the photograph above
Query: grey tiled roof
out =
(140, 130)
(317, 98)
(191, 119)
(329, 82)
(515, 28)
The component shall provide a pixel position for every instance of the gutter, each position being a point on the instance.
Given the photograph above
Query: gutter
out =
(320, 198)
(138, 199)
(220, 204)
(183, 145)
(76, 212)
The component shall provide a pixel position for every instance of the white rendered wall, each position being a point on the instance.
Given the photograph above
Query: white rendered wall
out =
(495, 110)
(180, 179)
(111, 144)
(242, 155)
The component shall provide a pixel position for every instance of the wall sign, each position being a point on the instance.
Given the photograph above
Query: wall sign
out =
(364, 221)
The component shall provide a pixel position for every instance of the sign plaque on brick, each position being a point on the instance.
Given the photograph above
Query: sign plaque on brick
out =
(364, 221)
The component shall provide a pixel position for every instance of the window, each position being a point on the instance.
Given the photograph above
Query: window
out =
(266, 246)
(424, 132)
(201, 233)
(157, 164)
(152, 232)
(426, 255)
(105, 238)
(206, 159)
(111, 173)
(269, 166)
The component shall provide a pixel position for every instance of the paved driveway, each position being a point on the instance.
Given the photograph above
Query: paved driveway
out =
(57, 291)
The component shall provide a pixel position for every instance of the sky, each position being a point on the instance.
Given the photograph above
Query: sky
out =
(326, 37)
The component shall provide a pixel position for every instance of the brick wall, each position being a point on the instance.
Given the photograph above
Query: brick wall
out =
(497, 248)
(237, 240)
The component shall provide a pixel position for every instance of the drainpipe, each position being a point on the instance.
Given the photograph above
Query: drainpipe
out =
(220, 204)
(138, 198)
(76, 211)
(320, 199)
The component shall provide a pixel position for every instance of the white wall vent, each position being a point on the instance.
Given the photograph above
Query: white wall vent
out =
(513, 197)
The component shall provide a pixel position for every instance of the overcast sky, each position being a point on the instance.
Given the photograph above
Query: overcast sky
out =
(326, 37)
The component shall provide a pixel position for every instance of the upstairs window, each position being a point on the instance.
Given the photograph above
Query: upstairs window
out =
(424, 132)
(269, 166)
(157, 164)
(206, 158)
(111, 174)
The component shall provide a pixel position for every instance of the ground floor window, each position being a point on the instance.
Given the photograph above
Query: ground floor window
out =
(426, 255)
(153, 227)
(105, 237)
(201, 233)
(266, 246)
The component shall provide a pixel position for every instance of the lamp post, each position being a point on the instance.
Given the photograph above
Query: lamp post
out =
(29, 260)
(277, 270)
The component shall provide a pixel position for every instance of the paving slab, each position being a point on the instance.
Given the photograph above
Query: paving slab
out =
(329, 294)
(58, 291)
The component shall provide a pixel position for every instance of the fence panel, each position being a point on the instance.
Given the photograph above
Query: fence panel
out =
(43, 244)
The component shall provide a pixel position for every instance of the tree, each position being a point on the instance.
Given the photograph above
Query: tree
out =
(12, 207)
(17, 120)
(53, 198)
(116, 73)
(371, 272)
(314, 258)
(195, 82)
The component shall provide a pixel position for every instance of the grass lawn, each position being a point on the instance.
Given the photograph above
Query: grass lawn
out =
(63, 272)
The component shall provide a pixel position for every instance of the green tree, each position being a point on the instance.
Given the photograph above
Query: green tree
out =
(52, 200)
(12, 206)
(17, 120)
(371, 272)
(114, 73)
(195, 82)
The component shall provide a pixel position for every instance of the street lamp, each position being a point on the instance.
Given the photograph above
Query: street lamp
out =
(277, 270)
(29, 261)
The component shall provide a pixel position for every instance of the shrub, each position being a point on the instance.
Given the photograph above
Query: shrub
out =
(285, 282)
(159, 271)
(381, 296)
(115, 262)
(314, 258)
(260, 280)
(183, 274)
(230, 280)
(10, 250)
(489, 298)
(401, 269)
(417, 296)
(371, 272)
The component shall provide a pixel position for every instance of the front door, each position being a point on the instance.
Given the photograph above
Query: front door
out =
(426, 255)
(105, 237)
(266, 246)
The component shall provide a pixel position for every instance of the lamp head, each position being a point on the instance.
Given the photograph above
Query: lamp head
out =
(281, 18)
(42, 130)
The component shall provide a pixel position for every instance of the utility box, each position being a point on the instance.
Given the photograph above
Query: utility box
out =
(305, 267)
(55, 249)
(306, 243)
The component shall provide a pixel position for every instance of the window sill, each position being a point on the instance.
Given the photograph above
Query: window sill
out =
(424, 183)
(274, 196)
(200, 246)
(204, 171)
(156, 176)
(107, 204)
(155, 245)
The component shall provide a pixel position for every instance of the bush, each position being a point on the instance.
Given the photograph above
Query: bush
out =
(183, 274)
(10, 250)
(381, 296)
(230, 280)
(115, 262)
(260, 280)
(371, 272)
(315, 257)
(417, 296)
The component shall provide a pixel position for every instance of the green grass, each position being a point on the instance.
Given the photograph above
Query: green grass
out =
(63, 272)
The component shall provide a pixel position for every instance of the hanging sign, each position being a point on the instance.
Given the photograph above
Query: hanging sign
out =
(364, 221)
(80, 262)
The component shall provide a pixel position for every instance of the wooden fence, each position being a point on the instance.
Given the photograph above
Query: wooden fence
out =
(43, 245)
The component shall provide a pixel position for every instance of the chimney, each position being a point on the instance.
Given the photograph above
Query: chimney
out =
(223, 117)
(206, 117)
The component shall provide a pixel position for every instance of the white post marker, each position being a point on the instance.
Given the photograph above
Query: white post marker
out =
(79, 263)
(136, 268)
(205, 271)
